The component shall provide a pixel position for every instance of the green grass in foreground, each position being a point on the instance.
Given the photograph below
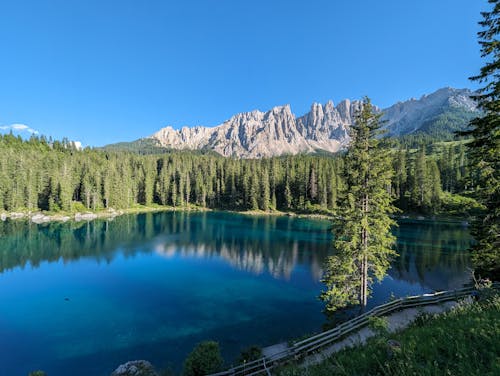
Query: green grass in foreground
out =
(464, 341)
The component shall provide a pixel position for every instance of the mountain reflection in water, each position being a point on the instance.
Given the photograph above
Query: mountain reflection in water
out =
(431, 253)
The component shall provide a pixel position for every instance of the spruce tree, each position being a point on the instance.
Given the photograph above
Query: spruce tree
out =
(484, 149)
(363, 238)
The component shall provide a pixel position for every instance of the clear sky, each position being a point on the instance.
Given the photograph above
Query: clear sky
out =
(102, 71)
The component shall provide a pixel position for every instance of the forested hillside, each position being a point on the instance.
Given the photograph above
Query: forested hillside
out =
(54, 176)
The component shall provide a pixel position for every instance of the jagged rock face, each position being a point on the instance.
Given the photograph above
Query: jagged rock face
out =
(325, 127)
(327, 123)
(264, 134)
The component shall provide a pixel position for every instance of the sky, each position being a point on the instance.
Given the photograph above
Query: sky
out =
(107, 71)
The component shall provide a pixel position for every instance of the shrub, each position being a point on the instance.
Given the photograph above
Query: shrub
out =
(205, 358)
(77, 206)
(459, 205)
(379, 325)
(250, 354)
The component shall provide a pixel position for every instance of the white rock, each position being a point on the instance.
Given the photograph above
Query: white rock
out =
(85, 216)
(40, 218)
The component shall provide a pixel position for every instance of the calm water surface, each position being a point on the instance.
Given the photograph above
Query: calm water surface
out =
(80, 298)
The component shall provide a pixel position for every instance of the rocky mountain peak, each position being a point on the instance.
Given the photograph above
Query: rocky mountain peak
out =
(325, 127)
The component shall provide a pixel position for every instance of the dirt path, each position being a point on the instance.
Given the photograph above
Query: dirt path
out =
(395, 321)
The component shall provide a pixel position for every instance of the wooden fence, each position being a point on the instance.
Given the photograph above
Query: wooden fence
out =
(304, 347)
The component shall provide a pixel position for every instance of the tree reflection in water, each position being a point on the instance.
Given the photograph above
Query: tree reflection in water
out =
(431, 253)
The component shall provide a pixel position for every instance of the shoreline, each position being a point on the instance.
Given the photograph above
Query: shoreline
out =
(404, 216)
(40, 217)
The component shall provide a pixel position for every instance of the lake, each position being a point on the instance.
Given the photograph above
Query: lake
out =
(81, 298)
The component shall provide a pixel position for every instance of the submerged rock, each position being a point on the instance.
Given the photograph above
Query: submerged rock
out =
(135, 368)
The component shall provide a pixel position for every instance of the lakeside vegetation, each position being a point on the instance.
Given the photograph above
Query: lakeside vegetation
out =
(463, 341)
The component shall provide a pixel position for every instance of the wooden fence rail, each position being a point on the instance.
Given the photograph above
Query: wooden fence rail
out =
(304, 347)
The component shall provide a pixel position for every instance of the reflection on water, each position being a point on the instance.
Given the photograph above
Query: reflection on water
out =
(431, 253)
(80, 298)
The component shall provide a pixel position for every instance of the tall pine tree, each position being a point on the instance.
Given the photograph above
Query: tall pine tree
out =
(363, 238)
(484, 149)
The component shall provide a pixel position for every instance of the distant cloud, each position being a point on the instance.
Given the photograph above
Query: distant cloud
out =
(78, 145)
(18, 128)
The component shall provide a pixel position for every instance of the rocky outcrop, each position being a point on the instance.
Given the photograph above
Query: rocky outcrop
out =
(263, 134)
(135, 368)
(325, 127)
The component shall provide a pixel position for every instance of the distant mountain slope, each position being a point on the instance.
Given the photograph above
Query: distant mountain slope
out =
(323, 129)
(439, 113)
(141, 146)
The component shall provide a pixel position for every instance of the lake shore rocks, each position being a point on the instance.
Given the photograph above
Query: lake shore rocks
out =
(135, 368)
(109, 214)
(85, 216)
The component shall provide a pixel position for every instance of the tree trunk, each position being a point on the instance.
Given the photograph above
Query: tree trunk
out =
(364, 258)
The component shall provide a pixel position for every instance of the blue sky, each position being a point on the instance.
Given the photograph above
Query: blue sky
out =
(107, 71)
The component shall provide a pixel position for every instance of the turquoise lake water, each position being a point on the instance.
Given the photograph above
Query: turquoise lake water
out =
(81, 298)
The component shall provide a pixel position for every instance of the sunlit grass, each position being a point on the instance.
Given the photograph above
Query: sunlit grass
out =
(464, 341)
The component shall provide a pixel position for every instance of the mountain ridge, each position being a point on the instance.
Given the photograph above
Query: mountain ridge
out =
(257, 134)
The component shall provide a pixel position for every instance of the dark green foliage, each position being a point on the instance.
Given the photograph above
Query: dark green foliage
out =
(141, 146)
(427, 178)
(484, 149)
(204, 359)
(444, 126)
(364, 243)
(36, 175)
(37, 373)
(250, 354)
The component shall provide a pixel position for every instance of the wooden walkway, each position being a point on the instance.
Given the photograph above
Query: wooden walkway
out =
(308, 346)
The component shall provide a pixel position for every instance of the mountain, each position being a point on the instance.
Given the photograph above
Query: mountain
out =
(275, 132)
(445, 110)
(325, 128)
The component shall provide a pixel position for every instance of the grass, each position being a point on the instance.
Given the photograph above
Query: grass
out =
(463, 341)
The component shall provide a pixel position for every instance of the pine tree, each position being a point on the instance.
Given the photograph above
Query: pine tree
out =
(363, 238)
(287, 192)
(484, 149)
(434, 188)
(253, 203)
(265, 191)
(400, 177)
(420, 178)
(313, 184)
